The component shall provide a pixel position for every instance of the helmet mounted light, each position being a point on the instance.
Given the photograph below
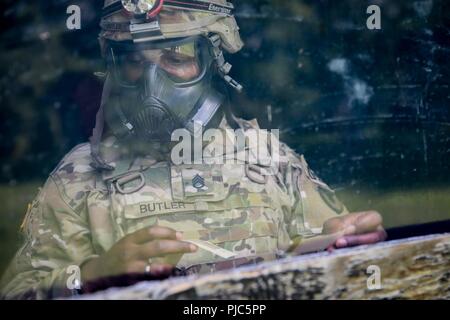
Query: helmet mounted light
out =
(139, 7)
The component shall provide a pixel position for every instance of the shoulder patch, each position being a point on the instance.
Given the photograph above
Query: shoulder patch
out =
(75, 176)
(76, 160)
(330, 198)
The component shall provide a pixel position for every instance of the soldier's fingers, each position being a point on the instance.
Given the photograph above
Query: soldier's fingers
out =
(333, 225)
(160, 269)
(364, 222)
(367, 238)
(352, 218)
(155, 232)
(368, 222)
(158, 248)
(355, 240)
(142, 267)
(135, 267)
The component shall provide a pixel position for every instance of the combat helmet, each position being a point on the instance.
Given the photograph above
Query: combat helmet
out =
(156, 20)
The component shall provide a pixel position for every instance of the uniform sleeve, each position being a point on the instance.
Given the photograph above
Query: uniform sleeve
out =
(312, 201)
(56, 242)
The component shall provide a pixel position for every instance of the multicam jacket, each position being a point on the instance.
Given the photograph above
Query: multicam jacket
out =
(236, 215)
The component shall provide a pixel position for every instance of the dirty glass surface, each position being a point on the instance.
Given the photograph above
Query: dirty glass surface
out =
(369, 109)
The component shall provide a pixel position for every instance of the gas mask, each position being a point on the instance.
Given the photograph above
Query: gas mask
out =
(160, 86)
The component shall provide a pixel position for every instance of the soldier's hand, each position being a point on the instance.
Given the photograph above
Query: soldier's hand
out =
(361, 228)
(158, 247)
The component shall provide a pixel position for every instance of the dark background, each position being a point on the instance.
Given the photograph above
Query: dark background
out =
(369, 109)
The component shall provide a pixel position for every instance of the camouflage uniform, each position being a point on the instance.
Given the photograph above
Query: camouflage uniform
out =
(80, 213)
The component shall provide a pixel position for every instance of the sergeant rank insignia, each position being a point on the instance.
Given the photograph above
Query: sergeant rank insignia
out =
(198, 182)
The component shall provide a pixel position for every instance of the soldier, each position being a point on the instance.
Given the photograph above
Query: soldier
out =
(119, 205)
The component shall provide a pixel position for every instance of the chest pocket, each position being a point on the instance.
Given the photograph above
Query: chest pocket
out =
(200, 204)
